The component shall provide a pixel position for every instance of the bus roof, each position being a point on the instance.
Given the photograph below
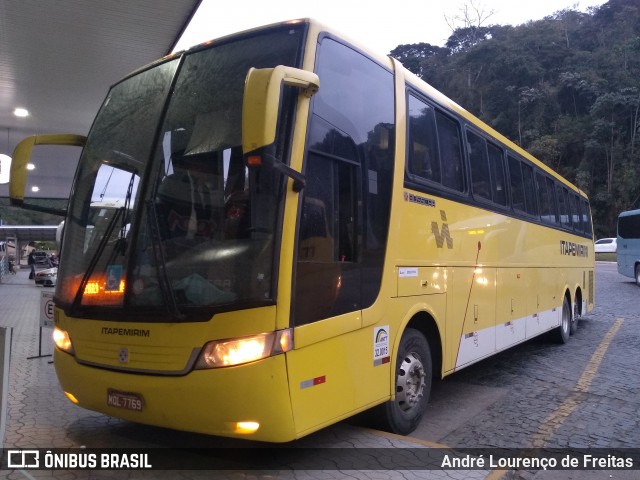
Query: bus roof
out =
(629, 213)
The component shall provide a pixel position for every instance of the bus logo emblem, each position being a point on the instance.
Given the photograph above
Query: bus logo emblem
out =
(123, 356)
(442, 234)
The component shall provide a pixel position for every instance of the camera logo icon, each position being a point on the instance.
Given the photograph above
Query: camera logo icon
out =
(23, 459)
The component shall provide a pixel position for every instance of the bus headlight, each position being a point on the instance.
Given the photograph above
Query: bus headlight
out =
(236, 351)
(62, 340)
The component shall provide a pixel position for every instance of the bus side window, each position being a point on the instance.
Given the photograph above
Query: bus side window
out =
(529, 189)
(545, 200)
(523, 191)
(577, 214)
(327, 238)
(349, 169)
(571, 209)
(586, 218)
(423, 159)
(328, 223)
(563, 206)
(496, 165)
(517, 186)
(450, 152)
(479, 160)
(552, 198)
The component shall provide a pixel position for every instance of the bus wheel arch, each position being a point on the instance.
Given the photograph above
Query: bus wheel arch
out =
(426, 324)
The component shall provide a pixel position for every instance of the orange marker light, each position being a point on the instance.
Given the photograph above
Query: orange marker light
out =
(254, 161)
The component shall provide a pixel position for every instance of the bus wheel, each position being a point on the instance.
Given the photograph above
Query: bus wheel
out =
(413, 384)
(562, 333)
(637, 272)
(573, 327)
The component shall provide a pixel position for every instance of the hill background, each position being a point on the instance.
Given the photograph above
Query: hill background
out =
(565, 88)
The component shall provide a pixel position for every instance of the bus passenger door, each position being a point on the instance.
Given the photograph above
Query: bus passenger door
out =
(340, 253)
(341, 238)
(327, 296)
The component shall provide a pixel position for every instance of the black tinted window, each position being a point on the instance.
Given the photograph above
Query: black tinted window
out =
(576, 213)
(523, 191)
(629, 226)
(450, 152)
(586, 218)
(479, 160)
(434, 146)
(564, 210)
(517, 185)
(529, 189)
(347, 198)
(496, 165)
(424, 159)
(546, 199)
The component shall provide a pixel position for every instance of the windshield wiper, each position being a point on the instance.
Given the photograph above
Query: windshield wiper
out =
(94, 260)
(168, 295)
(120, 245)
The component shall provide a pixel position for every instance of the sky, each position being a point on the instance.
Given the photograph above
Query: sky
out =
(374, 23)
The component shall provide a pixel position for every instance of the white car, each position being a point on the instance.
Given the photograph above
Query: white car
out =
(606, 245)
(47, 277)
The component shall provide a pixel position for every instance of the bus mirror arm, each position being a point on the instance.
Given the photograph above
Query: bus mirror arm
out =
(265, 158)
(299, 180)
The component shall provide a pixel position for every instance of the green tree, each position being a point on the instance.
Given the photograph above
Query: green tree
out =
(564, 87)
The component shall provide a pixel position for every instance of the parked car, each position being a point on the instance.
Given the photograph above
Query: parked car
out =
(47, 277)
(41, 258)
(606, 245)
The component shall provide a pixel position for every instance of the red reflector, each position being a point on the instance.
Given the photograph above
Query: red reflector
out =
(254, 161)
(312, 382)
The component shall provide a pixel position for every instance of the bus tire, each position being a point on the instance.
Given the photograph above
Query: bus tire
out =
(637, 274)
(562, 333)
(573, 327)
(412, 383)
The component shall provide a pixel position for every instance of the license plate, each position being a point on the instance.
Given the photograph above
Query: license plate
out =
(125, 400)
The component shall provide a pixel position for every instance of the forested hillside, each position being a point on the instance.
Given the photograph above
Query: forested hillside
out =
(566, 88)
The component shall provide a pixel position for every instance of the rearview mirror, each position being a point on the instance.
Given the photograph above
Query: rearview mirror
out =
(260, 109)
(19, 171)
(5, 167)
(261, 102)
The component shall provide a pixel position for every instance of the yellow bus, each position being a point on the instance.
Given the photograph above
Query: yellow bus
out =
(304, 231)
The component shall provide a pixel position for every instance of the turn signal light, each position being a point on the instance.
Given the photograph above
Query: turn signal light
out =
(72, 398)
(62, 341)
(254, 161)
(246, 427)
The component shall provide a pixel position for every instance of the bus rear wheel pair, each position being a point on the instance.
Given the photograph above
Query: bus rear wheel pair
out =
(568, 324)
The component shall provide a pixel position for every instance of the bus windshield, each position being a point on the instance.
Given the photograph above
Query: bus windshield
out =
(164, 213)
